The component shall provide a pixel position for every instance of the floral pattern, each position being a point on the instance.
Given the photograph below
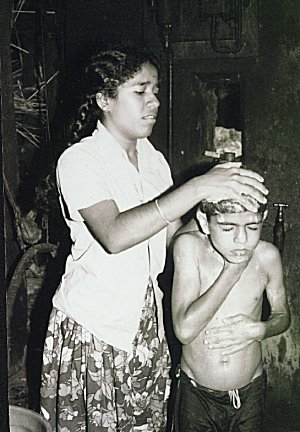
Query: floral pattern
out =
(88, 385)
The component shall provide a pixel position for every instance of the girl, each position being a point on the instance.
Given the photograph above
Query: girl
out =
(106, 361)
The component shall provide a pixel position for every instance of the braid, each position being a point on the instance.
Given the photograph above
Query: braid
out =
(84, 122)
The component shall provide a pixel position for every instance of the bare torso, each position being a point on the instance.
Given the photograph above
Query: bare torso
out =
(207, 366)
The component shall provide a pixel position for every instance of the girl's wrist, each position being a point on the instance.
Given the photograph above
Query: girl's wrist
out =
(161, 213)
(199, 189)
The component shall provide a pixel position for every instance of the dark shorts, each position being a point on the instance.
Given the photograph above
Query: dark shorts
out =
(200, 409)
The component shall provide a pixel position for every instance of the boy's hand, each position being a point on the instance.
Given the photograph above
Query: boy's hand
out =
(239, 267)
(237, 333)
(236, 269)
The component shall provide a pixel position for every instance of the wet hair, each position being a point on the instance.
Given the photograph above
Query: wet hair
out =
(225, 206)
(105, 72)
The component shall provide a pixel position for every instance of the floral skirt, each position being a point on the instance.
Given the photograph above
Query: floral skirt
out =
(88, 385)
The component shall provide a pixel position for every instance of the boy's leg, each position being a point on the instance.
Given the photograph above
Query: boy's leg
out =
(196, 409)
(250, 417)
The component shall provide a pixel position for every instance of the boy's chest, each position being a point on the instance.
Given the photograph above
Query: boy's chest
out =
(246, 295)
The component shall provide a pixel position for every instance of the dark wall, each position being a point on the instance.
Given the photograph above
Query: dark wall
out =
(272, 112)
(89, 24)
(92, 24)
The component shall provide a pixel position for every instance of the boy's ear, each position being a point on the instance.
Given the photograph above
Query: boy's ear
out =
(202, 219)
(265, 214)
(102, 101)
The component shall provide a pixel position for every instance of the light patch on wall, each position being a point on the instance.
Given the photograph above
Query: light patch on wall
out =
(227, 140)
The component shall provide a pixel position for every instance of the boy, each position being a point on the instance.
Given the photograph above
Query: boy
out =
(220, 276)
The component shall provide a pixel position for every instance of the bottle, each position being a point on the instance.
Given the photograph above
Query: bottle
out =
(228, 157)
(223, 157)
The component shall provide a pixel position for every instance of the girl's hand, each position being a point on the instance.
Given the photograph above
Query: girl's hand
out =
(229, 181)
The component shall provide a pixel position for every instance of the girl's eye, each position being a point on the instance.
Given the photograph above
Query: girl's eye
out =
(141, 92)
(253, 228)
(227, 229)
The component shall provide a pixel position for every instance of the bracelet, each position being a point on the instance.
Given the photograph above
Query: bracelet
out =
(161, 212)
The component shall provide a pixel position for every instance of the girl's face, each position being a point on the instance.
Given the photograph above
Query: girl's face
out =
(132, 114)
(235, 235)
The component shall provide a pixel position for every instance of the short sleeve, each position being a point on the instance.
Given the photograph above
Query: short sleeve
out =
(81, 181)
(165, 170)
(156, 166)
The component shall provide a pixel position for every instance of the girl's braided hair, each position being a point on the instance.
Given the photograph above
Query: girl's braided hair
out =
(105, 72)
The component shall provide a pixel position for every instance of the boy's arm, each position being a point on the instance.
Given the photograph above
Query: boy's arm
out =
(172, 229)
(240, 331)
(279, 319)
(191, 309)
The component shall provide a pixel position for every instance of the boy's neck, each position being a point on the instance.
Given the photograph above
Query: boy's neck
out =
(212, 250)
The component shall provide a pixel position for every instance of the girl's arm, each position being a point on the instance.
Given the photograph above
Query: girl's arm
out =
(118, 231)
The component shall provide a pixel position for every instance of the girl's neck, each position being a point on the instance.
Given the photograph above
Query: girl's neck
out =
(131, 150)
(129, 145)
(133, 157)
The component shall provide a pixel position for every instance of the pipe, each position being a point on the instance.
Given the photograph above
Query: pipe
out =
(170, 92)
(278, 231)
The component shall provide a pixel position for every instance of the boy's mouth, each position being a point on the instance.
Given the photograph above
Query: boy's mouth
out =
(240, 252)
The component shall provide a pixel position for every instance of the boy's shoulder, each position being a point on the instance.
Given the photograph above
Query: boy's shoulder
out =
(188, 237)
(190, 229)
(267, 252)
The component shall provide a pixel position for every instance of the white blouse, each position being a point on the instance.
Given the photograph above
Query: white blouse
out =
(101, 291)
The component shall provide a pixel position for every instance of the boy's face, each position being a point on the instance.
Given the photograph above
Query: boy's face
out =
(235, 235)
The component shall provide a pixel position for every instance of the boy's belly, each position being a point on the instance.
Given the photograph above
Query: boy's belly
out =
(210, 369)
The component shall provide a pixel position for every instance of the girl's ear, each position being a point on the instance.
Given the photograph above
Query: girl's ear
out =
(202, 219)
(102, 101)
